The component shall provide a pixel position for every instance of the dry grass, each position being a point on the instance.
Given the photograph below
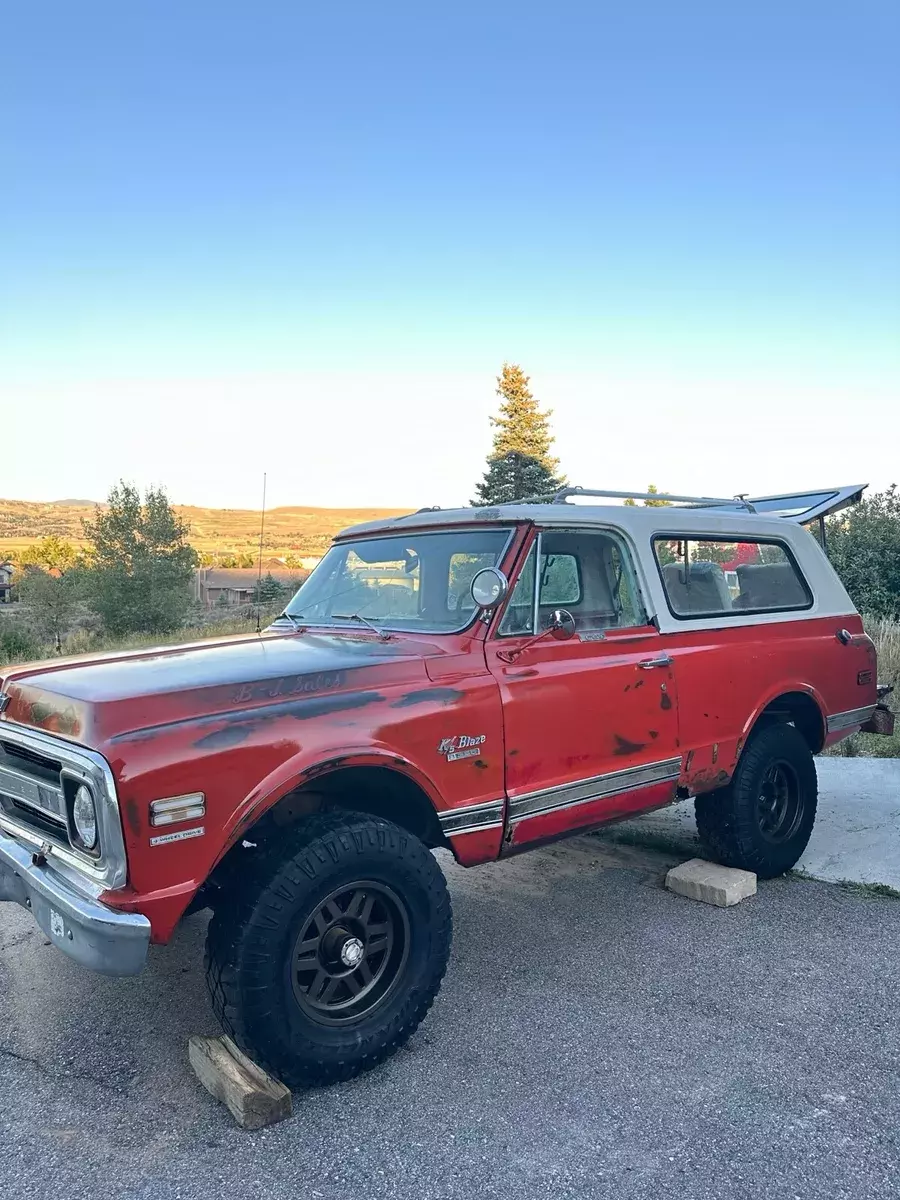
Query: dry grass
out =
(296, 531)
(83, 642)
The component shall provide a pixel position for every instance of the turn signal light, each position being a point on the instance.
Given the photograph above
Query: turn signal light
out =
(178, 808)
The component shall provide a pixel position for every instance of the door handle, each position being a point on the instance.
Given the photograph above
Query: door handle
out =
(648, 664)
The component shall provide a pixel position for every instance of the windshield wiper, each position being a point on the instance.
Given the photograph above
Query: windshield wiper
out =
(293, 620)
(384, 637)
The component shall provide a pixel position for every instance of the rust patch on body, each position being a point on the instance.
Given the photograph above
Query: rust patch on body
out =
(439, 695)
(132, 816)
(56, 720)
(480, 764)
(654, 733)
(322, 768)
(665, 702)
(708, 779)
(238, 726)
(624, 746)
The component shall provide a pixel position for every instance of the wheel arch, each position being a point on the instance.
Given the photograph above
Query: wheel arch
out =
(376, 783)
(798, 706)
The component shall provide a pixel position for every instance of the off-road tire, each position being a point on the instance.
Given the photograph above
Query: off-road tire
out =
(731, 821)
(254, 932)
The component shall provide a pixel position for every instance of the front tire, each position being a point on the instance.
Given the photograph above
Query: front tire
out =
(763, 819)
(324, 961)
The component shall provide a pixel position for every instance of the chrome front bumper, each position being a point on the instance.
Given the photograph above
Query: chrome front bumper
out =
(98, 937)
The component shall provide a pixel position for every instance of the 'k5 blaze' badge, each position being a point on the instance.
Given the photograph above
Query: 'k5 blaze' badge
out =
(461, 746)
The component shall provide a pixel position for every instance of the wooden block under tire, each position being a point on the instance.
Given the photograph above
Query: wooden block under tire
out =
(252, 1096)
(701, 880)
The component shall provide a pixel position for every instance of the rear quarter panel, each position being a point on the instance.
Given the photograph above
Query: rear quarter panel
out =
(727, 677)
(728, 668)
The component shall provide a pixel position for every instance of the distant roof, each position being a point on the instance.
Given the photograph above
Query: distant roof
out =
(245, 577)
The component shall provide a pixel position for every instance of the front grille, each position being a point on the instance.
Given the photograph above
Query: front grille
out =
(32, 790)
(26, 760)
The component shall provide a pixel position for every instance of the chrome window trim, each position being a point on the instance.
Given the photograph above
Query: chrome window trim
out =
(110, 870)
(849, 718)
(474, 817)
(597, 787)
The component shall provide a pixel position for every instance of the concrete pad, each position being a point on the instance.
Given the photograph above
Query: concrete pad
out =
(701, 880)
(856, 836)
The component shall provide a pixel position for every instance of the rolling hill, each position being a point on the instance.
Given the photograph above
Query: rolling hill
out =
(296, 531)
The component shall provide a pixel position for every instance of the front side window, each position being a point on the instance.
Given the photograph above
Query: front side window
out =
(415, 581)
(588, 572)
(707, 578)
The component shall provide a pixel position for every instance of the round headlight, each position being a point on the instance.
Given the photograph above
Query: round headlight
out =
(84, 816)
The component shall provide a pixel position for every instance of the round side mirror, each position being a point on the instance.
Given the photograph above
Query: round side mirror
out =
(562, 624)
(489, 587)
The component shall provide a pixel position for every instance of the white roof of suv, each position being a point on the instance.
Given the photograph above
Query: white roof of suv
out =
(760, 514)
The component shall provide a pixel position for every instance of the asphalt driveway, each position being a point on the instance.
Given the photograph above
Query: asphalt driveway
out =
(595, 1036)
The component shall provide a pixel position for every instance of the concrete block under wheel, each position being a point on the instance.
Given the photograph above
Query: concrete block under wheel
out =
(252, 1097)
(701, 880)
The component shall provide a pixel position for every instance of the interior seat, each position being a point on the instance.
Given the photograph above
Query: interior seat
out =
(702, 589)
(770, 585)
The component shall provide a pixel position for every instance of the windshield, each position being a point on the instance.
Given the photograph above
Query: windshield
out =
(416, 581)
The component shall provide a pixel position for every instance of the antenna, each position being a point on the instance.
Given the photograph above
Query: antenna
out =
(262, 528)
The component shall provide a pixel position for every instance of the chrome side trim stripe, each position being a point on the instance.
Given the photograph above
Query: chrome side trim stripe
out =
(614, 783)
(848, 719)
(471, 818)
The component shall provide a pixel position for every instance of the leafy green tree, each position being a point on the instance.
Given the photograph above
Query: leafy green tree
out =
(140, 563)
(864, 547)
(18, 645)
(54, 600)
(520, 463)
(51, 553)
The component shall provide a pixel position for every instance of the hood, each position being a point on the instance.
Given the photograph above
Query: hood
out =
(93, 700)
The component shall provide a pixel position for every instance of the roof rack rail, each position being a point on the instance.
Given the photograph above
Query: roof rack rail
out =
(563, 495)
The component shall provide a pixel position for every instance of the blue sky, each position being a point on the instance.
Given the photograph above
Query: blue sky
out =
(303, 239)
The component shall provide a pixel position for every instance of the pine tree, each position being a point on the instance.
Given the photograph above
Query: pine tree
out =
(520, 463)
(653, 489)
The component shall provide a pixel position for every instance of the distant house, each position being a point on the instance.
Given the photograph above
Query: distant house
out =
(6, 574)
(237, 585)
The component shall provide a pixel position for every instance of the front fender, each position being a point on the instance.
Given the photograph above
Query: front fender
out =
(301, 770)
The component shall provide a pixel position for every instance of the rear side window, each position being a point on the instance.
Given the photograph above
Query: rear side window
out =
(707, 578)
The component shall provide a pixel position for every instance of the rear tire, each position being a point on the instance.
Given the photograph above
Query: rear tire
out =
(326, 958)
(763, 819)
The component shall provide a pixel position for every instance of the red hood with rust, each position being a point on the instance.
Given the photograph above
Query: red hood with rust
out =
(90, 700)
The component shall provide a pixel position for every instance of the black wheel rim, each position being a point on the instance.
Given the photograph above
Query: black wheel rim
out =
(350, 953)
(779, 808)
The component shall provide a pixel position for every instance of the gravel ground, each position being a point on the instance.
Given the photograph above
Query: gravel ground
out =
(595, 1036)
